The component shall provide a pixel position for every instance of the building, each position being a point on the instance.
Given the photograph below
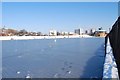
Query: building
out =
(100, 33)
(78, 31)
(64, 33)
(92, 31)
(86, 31)
(71, 33)
(52, 33)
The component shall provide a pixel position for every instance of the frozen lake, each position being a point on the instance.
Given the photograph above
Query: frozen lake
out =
(50, 58)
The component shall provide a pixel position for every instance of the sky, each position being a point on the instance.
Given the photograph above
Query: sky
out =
(61, 16)
(60, 0)
(0, 14)
(119, 8)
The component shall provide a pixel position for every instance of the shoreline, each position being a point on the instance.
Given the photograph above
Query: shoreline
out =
(42, 37)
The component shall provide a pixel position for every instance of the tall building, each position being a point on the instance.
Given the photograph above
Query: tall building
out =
(86, 31)
(78, 31)
(92, 31)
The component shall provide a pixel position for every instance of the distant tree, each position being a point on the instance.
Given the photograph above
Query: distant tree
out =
(12, 31)
(39, 33)
(22, 32)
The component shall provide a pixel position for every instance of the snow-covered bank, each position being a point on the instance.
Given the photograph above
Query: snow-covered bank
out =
(110, 67)
(40, 37)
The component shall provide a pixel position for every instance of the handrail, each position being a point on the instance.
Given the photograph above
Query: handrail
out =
(112, 51)
(110, 67)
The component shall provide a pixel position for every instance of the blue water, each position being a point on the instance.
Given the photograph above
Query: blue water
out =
(50, 58)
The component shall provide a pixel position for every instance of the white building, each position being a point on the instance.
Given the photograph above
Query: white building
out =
(71, 33)
(53, 33)
(64, 33)
(79, 31)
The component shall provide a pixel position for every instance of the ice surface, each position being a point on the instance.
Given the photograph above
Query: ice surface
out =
(53, 58)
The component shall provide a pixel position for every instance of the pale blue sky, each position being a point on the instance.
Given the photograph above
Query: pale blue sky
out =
(119, 8)
(60, 0)
(0, 14)
(63, 16)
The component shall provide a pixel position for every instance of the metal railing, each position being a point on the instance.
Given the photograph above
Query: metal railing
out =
(112, 50)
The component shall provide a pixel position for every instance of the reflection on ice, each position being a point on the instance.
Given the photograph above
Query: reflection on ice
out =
(55, 40)
(56, 75)
(19, 56)
(18, 72)
(69, 72)
(28, 76)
